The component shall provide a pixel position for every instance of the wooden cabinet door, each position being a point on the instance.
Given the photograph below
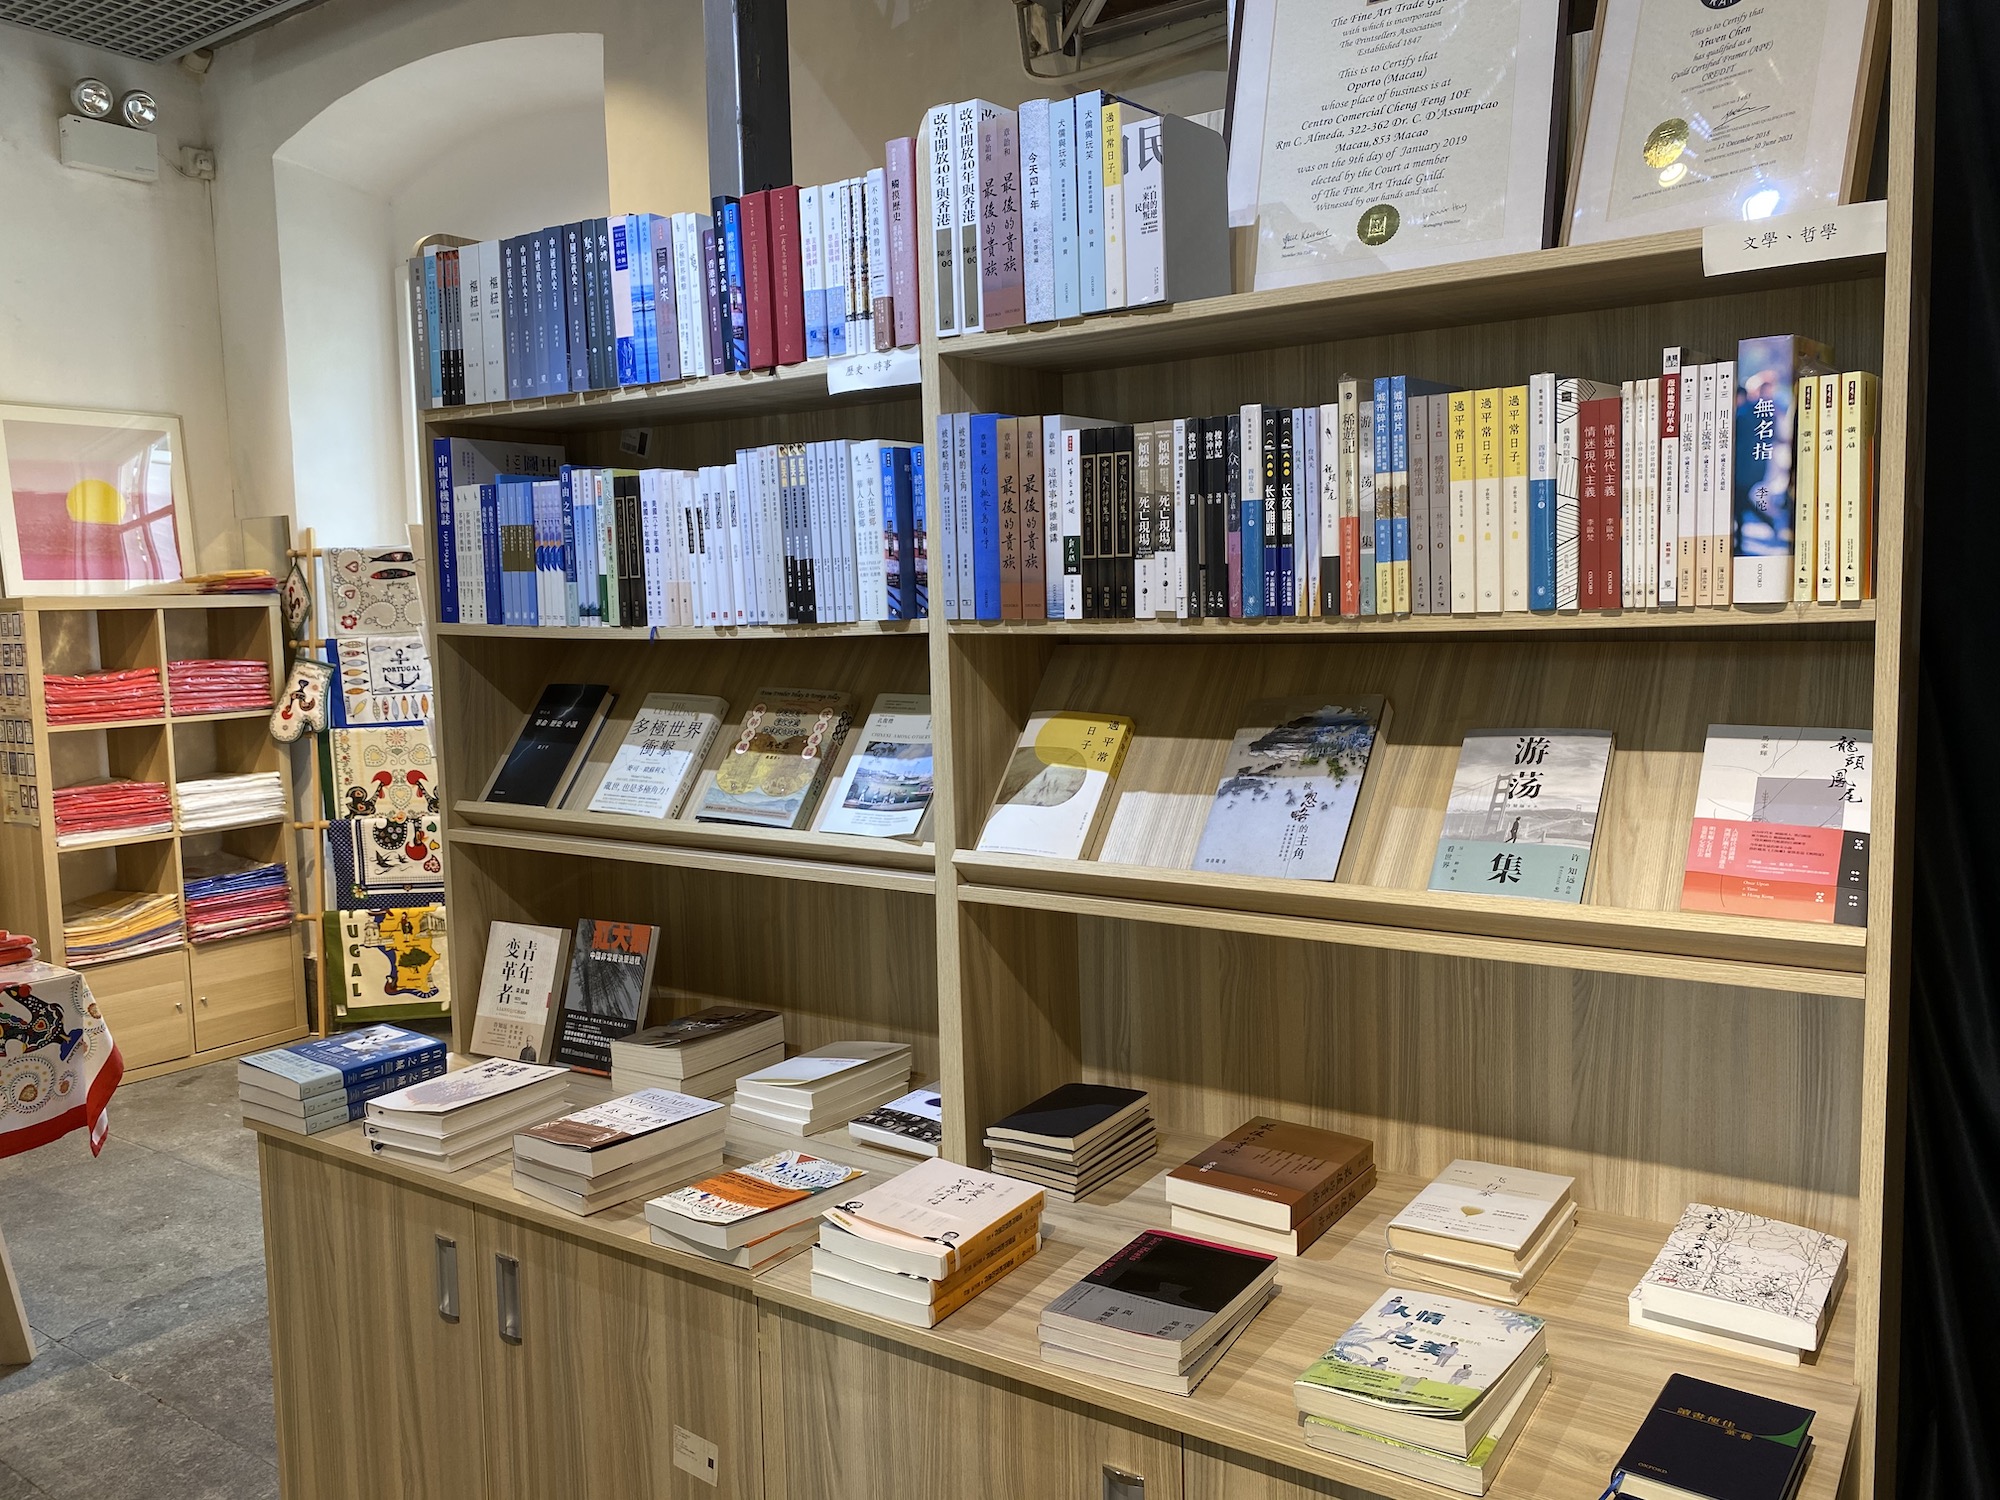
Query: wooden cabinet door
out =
(144, 1001)
(611, 1361)
(377, 1393)
(245, 988)
(852, 1417)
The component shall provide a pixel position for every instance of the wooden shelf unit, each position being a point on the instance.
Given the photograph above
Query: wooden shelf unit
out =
(196, 1002)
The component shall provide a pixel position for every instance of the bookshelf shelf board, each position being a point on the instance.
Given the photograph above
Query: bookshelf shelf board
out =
(1568, 279)
(1603, 1372)
(87, 726)
(1699, 947)
(226, 716)
(789, 388)
(263, 822)
(111, 839)
(892, 628)
(1843, 620)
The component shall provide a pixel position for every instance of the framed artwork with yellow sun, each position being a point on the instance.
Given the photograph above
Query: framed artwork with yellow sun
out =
(95, 502)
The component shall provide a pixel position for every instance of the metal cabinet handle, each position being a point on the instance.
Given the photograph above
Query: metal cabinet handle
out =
(1119, 1484)
(507, 1294)
(447, 1278)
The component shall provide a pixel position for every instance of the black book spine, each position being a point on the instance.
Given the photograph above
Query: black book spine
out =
(1288, 490)
(1124, 536)
(576, 309)
(809, 534)
(1087, 511)
(1107, 527)
(1267, 458)
(454, 347)
(1194, 557)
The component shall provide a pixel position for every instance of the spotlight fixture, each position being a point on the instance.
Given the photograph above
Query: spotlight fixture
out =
(92, 97)
(138, 109)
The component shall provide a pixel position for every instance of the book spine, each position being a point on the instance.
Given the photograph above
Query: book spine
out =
(987, 585)
(1464, 505)
(1541, 494)
(1398, 551)
(1215, 514)
(1071, 521)
(470, 547)
(1111, 133)
(420, 338)
(593, 306)
(1124, 527)
(489, 555)
(943, 227)
(1328, 417)
(1805, 483)
(576, 310)
(1725, 448)
(889, 537)
(1860, 415)
(1514, 497)
(1668, 553)
(946, 504)
(965, 196)
(1827, 532)
(812, 272)
(762, 333)
(1288, 493)
(1305, 515)
(557, 313)
(1631, 403)
(961, 444)
(1232, 519)
(1051, 436)
(1256, 480)
(1376, 597)
(666, 303)
(1490, 561)
(1182, 592)
(433, 335)
(1090, 199)
(691, 286)
(624, 351)
(1648, 456)
(1144, 547)
(1037, 214)
(1416, 459)
(900, 182)
(881, 306)
(833, 265)
(473, 364)
(1000, 288)
(445, 501)
(739, 294)
(1034, 524)
(1145, 219)
(1440, 458)
(642, 298)
(712, 301)
(1068, 285)
(566, 559)
(917, 569)
(788, 311)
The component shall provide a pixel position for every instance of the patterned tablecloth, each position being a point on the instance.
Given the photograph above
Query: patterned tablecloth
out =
(58, 1064)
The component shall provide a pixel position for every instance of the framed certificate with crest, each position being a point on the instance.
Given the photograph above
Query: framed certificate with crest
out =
(1706, 111)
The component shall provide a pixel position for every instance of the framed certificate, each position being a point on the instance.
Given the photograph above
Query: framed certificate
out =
(1393, 135)
(1710, 110)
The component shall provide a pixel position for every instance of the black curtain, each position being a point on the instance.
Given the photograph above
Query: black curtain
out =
(1951, 1264)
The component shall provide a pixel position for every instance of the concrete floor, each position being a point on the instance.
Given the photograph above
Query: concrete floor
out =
(143, 1272)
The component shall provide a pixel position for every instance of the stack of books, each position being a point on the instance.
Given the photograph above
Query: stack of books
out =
(753, 1215)
(463, 1117)
(1160, 1313)
(213, 687)
(922, 1245)
(211, 802)
(93, 808)
(229, 895)
(1742, 1282)
(827, 1086)
(1074, 1139)
(1490, 1231)
(913, 1124)
(1703, 1441)
(119, 924)
(701, 1054)
(622, 1149)
(1271, 1185)
(98, 697)
(1432, 1388)
(325, 1082)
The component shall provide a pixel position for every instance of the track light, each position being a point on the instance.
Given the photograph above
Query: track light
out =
(138, 109)
(92, 97)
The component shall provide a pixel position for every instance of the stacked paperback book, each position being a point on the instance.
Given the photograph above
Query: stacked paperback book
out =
(1271, 1185)
(211, 802)
(92, 808)
(214, 687)
(1075, 1138)
(753, 1215)
(103, 697)
(326, 1082)
(463, 1117)
(922, 1245)
(828, 1086)
(913, 1124)
(1160, 1313)
(624, 1148)
(1742, 1282)
(228, 895)
(1485, 1230)
(702, 1054)
(119, 924)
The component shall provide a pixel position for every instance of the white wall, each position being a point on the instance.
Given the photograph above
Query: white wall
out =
(108, 288)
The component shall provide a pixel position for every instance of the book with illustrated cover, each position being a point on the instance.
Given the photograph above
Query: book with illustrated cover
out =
(1291, 788)
(443, 1100)
(655, 767)
(1742, 1274)
(1523, 813)
(885, 789)
(1716, 1443)
(1270, 1172)
(336, 1066)
(601, 1139)
(1471, 1475)
(738, 1207)
(913, 1124)
(773, 774)
(1781, 824)
(703, 1039)
(1057, 785)
(518, 990)
(610, 974)
(552, 746)
(393, 962)
(381, 771)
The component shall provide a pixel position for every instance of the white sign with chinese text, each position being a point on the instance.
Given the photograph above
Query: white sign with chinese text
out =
(1796, 239)
(873, 370)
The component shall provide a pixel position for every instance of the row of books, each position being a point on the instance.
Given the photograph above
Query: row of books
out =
(773, 278)
(1066, 207)
(1750, 481)
(788, 534)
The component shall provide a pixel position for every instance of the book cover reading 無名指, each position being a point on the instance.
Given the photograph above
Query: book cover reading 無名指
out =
(773, 774)
(1291, 788)
(885, 789)
(518, 990)
(1523, 813)
(610, 974)
(655, 767)
(552, 746)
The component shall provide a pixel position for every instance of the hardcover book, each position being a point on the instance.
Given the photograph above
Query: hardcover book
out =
(518, 990)
(1712, 1442)
(653, 771)
(552, 746)
(1270, 1172)
(1523, 813)
(381, 772)
(773, 774)
(884, 791)
(1741, 1273)
(1162, 1288)
(1291, 788)
(1056, 785)
(1483, 1214)
(610, 974)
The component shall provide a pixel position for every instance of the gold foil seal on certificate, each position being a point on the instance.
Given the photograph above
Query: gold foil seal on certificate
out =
(1665, 145)
(1379, 225)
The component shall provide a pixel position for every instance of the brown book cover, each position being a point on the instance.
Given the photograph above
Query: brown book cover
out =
(756, 229)
(1009, 468)
(1034, 521)
(1295, 1166)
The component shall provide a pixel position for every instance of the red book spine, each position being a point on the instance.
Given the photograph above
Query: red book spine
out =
(901, 212)
(788, 298)
(1589, 512)
(1611, 508)
(756, 221)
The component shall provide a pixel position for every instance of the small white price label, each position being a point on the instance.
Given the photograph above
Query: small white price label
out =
(1795, 239)
(873, 371)
(695, 1455)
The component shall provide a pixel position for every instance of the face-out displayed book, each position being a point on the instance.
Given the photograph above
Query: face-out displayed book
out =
(1057, 785)
(1160, 1313)
(325, 1082)
(913, 1124)
(1523, 813)
(1075, 1138)
(518, 990)
(1292, 788)
(625, 1148)
(554, 743)
(658, 762)
(702, 1053)
(1270, 1185)
(1781, 825)
(1428, 1386)
(884, 790)
(826, 1086)
(610, 975)
(920, 1246)
(1703, 1441)
(774, 772)
(1742, 1282)
(464, 1117)
(752, 1215)
(1485, 1230)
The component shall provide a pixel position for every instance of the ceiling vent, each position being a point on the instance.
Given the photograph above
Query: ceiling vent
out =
(154, 30)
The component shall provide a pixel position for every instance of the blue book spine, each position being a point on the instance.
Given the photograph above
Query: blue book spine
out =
(1251, 526)
(447, 530)
(1062, 172)
(431, 325)
(739, 304)
(985, 516)
(642, 258)
(1399, 466)
(325, 1073)
(891, 528)
(520, 495)
(1090, 199)
(351, 1102)
(650, 228)
(624, 355)
(1385, 461)
(920, 586)
(576, 336)
(569, 558)
(489, 552)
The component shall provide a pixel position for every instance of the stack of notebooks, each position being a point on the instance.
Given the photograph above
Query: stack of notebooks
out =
(325, 1082)
(463, 1117)
(119, 924)
(1703, 1441)
(753, 1215)
(1160, 1313)
(1490, 1231)
(115, 806)
(215, 687)
(625, 1148)
(1271, 1185)
(103, 696)
(212, 802)
(913, 1124)
(922, 1245)
(701, 1054)
(1429, 1387)
(228, 895)
(828, 1086)
(1074, 1139)
(1742, 1282)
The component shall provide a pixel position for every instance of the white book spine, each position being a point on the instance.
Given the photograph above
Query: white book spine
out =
(943, 504)
(1628, 508)
(1464, 513)
(942, 245)
(1725, 467)
(1144, 189)
(854, 224)
(1652, 496)
(689, 538)
(1514, 502)
(1176, 489)
(770, 461)
(876, 243)
(965, 153)
(1670, 487)
(962, 469)
(833, 264)
(739, 552)
(1689, 459)
(1072, 520)
(472, 349)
